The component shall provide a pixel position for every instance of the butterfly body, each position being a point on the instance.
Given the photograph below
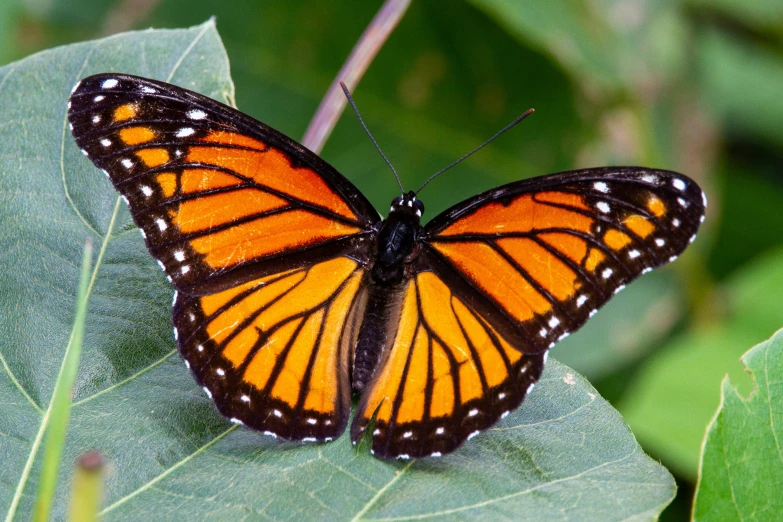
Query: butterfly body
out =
(390, 271)
(292, 294)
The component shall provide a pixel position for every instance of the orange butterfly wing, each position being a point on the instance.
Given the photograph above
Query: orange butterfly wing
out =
(273, 353)
(220, 198)
(265, 243)
(500, 279)
(542, 255)
(448, 375)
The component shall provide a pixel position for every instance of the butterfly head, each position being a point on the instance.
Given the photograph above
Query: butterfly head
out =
(408, 204)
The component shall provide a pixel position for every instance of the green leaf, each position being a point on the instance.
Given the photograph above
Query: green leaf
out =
(742, 83)
(759, 14)
(51, 202)
(742, 459)
(606, 45)
(676, 392)
(565, 453)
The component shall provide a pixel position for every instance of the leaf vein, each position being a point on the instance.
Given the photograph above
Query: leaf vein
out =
(186, 52)
(19, 385)
(62, 155)
(126, 381)
(168, 471)
(510, 495)
(381, 491)
(547, 421)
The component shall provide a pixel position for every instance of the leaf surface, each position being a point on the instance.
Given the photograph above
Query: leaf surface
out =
(676, 393)
(606, 45)
(742, 457)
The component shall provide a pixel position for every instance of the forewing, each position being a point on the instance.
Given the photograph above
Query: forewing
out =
(273, 353)
(538, 257)
(220, 198)
(448, 375)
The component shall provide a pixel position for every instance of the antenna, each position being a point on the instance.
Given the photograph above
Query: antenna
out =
(501, 131)
(356, 110)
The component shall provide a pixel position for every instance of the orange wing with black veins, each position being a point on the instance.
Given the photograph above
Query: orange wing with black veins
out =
(448, 375)
(541, 256)
(273, 353)
(220, 198)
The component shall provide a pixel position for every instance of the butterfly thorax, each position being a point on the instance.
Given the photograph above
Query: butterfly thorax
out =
(397, 240)
(395, 252)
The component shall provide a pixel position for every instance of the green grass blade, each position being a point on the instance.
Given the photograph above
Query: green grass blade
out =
(60, 407)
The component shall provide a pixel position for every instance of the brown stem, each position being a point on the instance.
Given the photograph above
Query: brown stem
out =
(352, 71)
(126, 14)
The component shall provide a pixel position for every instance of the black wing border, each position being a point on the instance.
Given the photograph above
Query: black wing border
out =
(355, 200)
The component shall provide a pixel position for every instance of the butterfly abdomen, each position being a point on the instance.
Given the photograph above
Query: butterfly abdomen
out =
(377, 331)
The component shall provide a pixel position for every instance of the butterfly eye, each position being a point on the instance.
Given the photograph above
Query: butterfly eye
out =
(419, 206)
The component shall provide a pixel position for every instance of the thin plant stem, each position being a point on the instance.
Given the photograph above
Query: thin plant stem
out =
(352, 71)
(60, 405)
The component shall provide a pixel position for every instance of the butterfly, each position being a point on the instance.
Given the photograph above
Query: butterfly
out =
(293, 294)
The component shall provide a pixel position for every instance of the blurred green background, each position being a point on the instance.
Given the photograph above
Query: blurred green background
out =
(689, 85)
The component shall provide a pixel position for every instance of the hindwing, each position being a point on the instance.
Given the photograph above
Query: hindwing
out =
(273, 353)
